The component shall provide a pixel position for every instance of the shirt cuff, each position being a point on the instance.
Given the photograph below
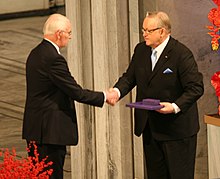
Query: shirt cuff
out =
(176, 108)
(117, 90)
(105, 98)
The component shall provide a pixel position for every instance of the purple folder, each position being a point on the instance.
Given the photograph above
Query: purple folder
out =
(147, 104)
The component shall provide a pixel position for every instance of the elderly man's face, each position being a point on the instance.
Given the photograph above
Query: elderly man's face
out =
(65, 36)
(151, 32)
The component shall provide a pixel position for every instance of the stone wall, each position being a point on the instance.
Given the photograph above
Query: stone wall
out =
(11, 6)
(104, 34)
(189, 20)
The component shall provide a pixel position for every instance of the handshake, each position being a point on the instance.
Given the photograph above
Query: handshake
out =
(112, 96)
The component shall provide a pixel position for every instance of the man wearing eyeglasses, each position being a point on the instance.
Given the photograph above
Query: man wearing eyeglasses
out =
(165, 69)
(50, 115)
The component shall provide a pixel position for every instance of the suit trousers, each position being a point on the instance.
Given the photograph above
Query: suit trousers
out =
(55, 153)
(170, 159)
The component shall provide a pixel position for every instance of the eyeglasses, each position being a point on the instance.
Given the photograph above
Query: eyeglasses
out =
(150, 31)
(69, 33)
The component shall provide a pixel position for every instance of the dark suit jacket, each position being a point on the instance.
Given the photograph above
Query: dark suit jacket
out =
(50, 115)
(184, 86)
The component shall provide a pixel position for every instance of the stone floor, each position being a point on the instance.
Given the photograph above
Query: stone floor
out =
(17, 38)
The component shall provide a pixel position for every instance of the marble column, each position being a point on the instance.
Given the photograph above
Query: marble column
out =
(97, 55)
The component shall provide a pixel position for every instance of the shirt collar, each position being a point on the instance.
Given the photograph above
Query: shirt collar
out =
(161, 47)
(55, 45)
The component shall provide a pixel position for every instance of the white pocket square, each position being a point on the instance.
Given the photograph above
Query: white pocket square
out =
(167, 71)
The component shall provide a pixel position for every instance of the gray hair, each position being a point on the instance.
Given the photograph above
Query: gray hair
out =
(162, 18)
(54, 23)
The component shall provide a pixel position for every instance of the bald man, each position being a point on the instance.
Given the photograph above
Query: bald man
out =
(50, 116)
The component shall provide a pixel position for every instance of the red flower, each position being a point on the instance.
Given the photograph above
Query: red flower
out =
(25, 168)
(217, 2)
(215, 81)
(214, 18)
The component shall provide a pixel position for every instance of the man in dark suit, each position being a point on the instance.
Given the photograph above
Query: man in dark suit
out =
(50, 116)
(169, 134)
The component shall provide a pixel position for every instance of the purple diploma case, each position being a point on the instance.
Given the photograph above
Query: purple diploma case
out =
(147, 104)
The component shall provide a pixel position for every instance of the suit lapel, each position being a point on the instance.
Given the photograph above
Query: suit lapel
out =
(147, 64)
(164, 57)
(148, 61)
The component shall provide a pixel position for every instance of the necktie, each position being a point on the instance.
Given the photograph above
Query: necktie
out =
(153, 58)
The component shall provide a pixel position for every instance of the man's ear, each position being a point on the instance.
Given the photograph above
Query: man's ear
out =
(58, 34)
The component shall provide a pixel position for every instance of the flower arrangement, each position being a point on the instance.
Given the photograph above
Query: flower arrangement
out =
(215, 81)
(25, 168)
(214, 18)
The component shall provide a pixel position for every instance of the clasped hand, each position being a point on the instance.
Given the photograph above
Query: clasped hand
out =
(111, 96)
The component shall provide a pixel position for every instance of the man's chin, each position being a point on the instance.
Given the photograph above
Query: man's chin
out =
(147, 43)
